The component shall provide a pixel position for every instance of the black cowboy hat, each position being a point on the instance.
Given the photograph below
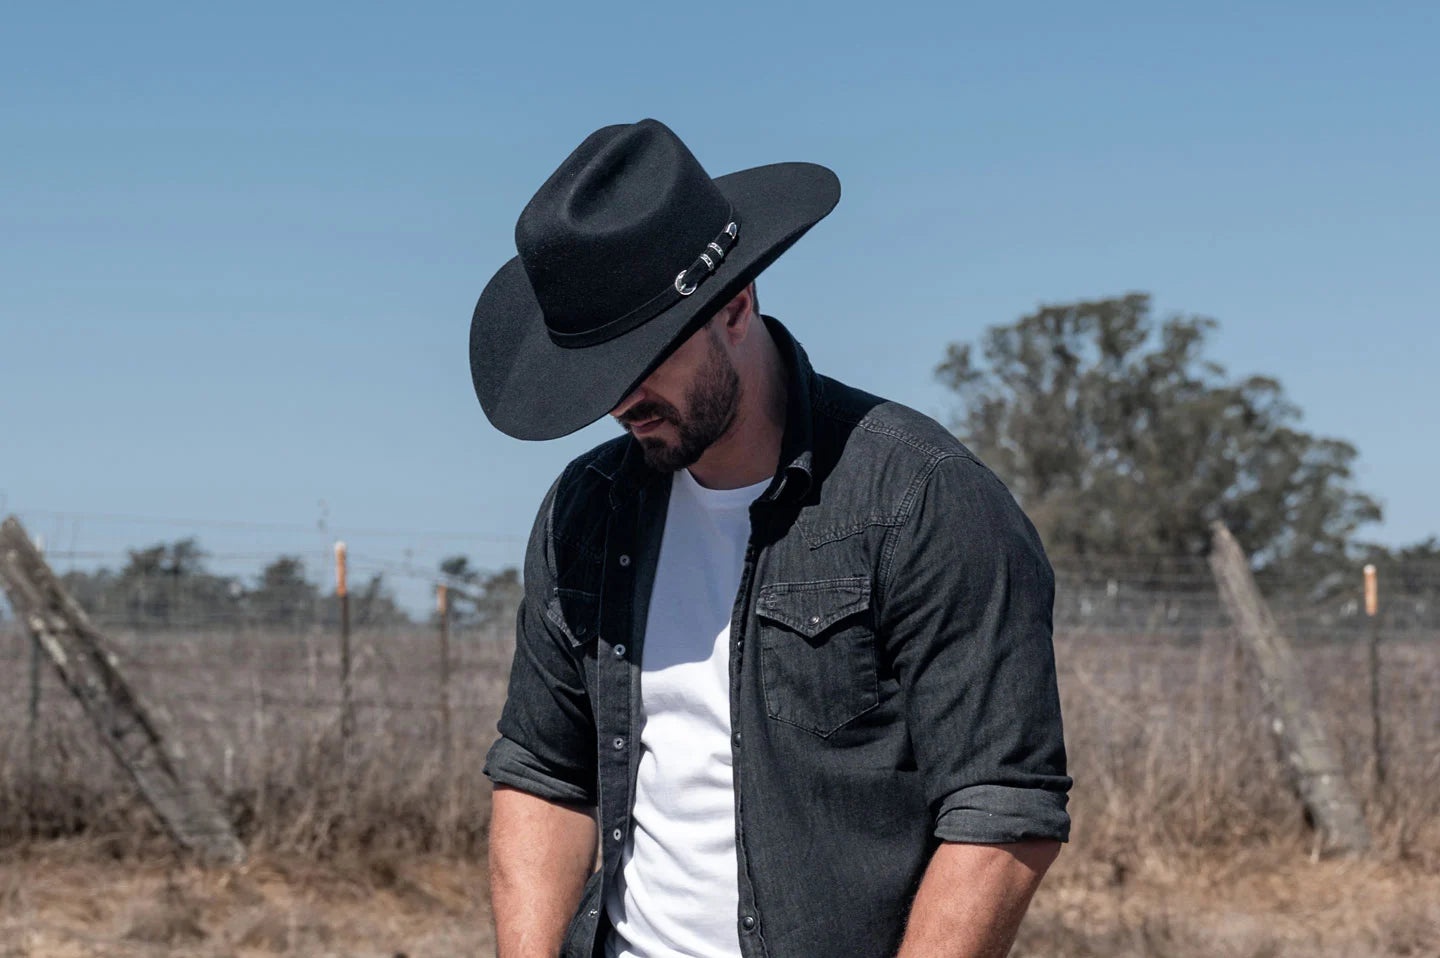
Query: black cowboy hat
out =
(626, 250)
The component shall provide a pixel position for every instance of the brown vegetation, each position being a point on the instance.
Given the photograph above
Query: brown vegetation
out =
(257, 713)
(1186, 841)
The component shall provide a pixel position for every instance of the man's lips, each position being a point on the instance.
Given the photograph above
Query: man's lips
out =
(648, 426)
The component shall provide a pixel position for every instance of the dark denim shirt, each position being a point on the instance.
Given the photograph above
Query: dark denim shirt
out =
(892, 679)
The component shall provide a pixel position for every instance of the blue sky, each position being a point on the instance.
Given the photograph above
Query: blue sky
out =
(239, 249)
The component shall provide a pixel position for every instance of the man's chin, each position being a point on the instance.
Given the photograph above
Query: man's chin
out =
(664, 456)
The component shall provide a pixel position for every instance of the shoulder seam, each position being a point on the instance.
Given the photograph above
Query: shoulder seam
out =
(569, 477)
(887, 547)
(550, 537)
(869, 423)
(915, 442)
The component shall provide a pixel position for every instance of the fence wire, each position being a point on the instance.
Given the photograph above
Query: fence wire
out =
(200, 628)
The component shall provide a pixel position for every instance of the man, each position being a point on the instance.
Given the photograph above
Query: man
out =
(785, 642)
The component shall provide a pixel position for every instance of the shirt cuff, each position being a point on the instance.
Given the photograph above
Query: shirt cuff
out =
(510, 764)
(997, 814)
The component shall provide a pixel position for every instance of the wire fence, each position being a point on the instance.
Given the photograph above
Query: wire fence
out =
(269, 639)
(1160, 595)
(175, 588)
(239, 654)
(1176, 598)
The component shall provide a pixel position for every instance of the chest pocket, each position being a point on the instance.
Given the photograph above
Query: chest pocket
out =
(817, 652)
(576, 614)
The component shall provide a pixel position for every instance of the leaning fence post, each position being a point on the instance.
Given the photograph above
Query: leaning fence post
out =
(347, 718)
(33, 731)
(1310, 757)
(89, 668)
(1377, 734)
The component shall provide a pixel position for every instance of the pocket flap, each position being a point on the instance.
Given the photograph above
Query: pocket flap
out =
(812, 607)
(575, 613)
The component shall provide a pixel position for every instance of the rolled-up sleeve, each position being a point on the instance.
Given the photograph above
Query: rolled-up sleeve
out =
(547, 729)
(965, 616)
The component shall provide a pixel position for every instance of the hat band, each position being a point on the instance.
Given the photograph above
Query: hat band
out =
(686, 282)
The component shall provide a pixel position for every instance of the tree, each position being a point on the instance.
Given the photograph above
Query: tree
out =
(500, 595)
(481, 599)
(374, 605)
(283, 595)
(164, 586)
(1122, 438)
(459, 569)
(160, 585)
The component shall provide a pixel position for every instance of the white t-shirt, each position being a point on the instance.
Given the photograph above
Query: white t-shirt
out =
(679, 888)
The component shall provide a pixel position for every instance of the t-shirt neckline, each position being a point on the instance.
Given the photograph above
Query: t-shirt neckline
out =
(721, 498)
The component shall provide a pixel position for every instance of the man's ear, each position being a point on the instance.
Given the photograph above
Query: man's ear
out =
(738, 313)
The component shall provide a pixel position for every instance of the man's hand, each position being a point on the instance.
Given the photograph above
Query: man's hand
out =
(541, 853)
(972, 899)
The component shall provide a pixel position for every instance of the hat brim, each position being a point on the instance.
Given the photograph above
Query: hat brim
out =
(530, 388)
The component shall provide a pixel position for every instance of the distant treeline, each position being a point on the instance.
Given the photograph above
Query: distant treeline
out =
(167, 585)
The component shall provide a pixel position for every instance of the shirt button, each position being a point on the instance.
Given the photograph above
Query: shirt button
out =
(814, 620)
(617, 834)
(619, 743)
(737, 738)
(747, 923)
(624, 561)
(619, 651)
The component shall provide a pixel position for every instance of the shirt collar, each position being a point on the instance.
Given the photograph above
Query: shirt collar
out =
(797, 443)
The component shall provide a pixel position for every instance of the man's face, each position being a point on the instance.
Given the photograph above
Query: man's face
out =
(687, 404)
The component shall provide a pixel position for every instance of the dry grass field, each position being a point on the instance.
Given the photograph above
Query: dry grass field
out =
(1186, 842)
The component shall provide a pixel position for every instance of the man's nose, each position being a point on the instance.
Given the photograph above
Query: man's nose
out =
(629, 401)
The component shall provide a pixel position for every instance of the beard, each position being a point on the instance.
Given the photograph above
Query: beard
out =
(711, 405)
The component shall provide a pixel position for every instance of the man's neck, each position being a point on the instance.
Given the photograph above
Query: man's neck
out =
(750, 451)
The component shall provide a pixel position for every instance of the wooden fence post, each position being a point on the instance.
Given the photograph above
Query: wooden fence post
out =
(347, 716)
(90, 669)
(442, 605)
(1377, 734)
(33, 722)
(1310, 757)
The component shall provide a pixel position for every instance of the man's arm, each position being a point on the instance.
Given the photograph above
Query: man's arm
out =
(966, 621)
(541, 852)
(972, 899)
(542, 834)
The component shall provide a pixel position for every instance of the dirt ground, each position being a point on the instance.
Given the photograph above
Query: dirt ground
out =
(64, 906)
(1268, 903)
(67, 903)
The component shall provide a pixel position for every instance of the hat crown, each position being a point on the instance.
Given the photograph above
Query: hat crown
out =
(615, 224)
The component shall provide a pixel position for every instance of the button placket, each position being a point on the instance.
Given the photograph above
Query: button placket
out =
(620, 674)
